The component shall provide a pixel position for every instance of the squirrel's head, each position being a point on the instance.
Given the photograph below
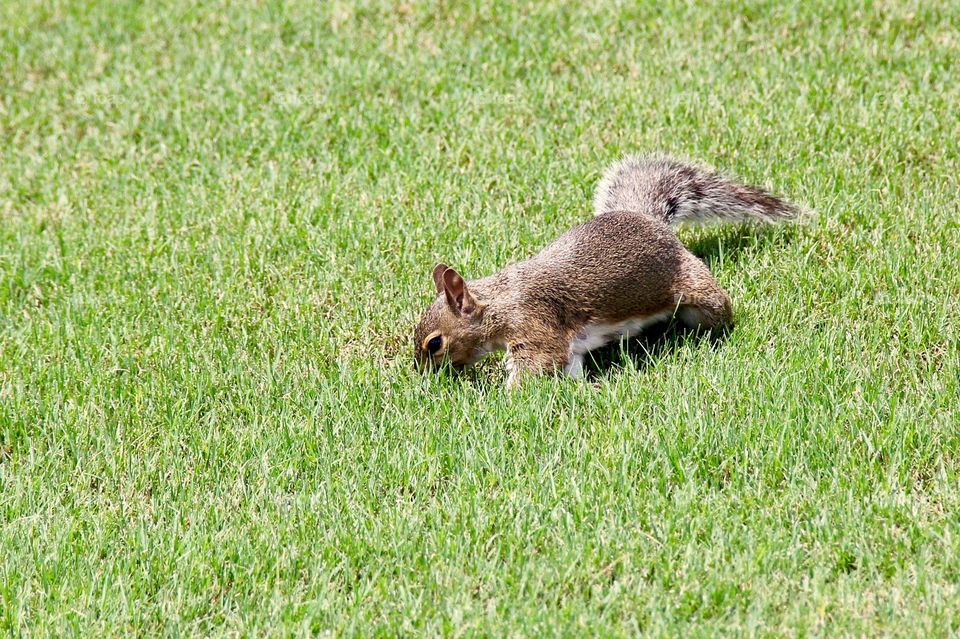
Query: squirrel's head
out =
(451, 328)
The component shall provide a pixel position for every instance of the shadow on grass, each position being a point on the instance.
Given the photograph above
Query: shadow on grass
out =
(646, 348)
(730, 243)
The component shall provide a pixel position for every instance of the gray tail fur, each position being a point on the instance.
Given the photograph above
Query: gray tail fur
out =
(676, 192)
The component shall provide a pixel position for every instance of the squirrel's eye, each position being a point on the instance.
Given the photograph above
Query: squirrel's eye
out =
(434, 344)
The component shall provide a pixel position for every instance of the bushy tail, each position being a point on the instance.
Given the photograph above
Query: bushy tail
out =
(676, 192)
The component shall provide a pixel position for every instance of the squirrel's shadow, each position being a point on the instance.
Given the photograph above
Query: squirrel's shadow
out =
(731, 243)
(645, 348)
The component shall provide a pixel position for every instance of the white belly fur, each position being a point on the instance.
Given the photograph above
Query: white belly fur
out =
(598, 334)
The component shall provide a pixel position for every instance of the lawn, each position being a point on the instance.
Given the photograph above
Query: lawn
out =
(217, 227)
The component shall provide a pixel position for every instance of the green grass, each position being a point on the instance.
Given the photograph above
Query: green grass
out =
(217, 225)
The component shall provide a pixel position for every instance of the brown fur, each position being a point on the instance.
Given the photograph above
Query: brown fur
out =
(620, 265)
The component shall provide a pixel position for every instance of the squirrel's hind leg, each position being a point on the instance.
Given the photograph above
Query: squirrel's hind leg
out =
(701, 302)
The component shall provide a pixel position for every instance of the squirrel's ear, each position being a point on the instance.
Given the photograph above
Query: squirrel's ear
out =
(438, 276)
(458, 297)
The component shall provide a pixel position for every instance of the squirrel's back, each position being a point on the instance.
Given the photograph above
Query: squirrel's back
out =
(674, 192)
(612, 266)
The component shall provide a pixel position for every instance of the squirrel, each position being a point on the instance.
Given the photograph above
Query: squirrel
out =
(599, 282)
